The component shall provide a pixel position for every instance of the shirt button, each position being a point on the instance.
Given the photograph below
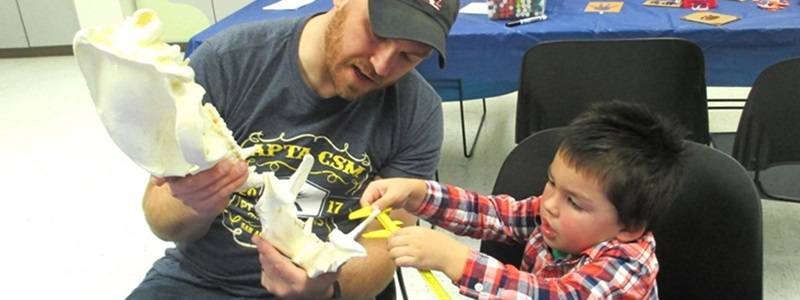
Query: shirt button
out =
(479, 287)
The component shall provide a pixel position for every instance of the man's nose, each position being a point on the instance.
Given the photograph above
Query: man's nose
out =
(384, 58)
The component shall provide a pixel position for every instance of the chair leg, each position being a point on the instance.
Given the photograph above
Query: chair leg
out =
(468, 153)
(401, 284)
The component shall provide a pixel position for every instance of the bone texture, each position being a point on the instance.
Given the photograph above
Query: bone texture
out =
(294, 238)
(146, 97)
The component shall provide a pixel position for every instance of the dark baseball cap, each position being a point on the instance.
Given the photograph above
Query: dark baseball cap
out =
(424, 21)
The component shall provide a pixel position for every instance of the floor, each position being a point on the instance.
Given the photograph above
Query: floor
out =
(80, 233)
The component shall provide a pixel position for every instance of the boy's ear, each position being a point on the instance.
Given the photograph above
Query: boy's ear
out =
(630, 234)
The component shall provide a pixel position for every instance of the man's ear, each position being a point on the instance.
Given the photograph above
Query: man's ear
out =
(339, 3)
(630, 234)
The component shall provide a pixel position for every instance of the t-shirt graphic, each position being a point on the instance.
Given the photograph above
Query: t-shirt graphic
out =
(332, 190)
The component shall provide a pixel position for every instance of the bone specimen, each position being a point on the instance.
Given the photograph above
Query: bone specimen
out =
(146, 97)
(294, 238)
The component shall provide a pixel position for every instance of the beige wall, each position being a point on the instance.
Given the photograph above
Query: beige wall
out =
(102, 12)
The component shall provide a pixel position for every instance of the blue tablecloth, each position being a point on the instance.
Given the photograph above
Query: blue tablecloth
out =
(484, 56)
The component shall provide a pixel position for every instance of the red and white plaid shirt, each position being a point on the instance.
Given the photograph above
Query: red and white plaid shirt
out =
(609, 270)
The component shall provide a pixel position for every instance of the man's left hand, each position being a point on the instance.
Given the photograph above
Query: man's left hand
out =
(285, 280)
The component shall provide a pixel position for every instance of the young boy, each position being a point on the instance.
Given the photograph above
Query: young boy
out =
(615, 171)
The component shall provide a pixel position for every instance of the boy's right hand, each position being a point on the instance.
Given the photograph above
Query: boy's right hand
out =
(403, 193)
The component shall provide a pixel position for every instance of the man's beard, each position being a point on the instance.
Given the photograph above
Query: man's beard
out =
(338, 69)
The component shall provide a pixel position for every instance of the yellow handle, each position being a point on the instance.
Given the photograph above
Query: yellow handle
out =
(377, 234)
(436, 288)
(390, 226)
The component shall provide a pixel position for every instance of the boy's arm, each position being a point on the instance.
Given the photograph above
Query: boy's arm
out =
(610, 275)
(406, 193)
(497, 218)
(462, 212)
(421, 248)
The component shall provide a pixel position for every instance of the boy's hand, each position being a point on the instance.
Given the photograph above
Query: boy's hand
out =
(403, 193)
(424, 248)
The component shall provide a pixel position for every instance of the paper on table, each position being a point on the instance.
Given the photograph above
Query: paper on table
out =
(476, 8)
(287, 4)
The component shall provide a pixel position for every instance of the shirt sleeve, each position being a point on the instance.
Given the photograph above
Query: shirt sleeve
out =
(418, 145)
(606, 277)
(497, 218)
(207, 66)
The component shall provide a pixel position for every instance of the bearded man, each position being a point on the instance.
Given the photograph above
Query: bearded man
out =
(339, 86)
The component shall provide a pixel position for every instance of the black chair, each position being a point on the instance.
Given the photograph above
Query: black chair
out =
(456, 86)
(768, 137)
(561, 79)
(709, 245)
(390, 292)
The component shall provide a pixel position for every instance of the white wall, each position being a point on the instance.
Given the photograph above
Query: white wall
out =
(101, 12)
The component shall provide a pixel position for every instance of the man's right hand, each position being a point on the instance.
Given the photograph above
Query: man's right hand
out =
(183, 208)
(208, 192)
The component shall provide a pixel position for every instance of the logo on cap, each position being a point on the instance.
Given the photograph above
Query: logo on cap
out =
(437, 4)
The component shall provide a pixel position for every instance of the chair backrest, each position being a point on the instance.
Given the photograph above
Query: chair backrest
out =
(523, 173)
(768, 131)
(560, 79)
(709, 244)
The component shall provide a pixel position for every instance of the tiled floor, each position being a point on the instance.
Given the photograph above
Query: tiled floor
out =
(75, 228)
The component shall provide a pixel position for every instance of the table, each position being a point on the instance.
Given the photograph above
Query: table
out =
(484, 56)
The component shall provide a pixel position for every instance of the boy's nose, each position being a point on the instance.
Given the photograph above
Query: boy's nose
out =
(550, 204)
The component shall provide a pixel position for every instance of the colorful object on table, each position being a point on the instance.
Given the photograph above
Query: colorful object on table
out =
(710, 18)
(700, 5)
(663, 3)
(389, 227)
(772, 5)
(514, 9)
(602, 7)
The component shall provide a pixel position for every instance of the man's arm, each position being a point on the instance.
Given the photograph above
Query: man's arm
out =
(182, 209)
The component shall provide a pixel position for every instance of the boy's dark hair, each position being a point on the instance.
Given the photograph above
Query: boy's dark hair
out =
(636, 155)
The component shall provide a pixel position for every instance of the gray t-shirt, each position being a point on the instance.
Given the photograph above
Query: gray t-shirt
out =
(252, 76)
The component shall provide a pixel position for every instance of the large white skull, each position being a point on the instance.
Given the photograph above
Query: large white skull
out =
(293, 238)
(146, 97)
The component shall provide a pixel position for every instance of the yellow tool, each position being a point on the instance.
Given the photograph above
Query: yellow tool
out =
(389, 227)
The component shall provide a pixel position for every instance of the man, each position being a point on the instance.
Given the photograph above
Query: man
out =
(339, 86)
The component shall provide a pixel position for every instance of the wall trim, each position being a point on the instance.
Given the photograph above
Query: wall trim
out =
(36, 51)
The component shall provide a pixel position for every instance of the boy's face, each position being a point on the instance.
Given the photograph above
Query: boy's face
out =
(575, 212)
(357, 60)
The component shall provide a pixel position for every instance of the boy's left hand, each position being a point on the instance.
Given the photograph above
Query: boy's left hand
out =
(424, 248)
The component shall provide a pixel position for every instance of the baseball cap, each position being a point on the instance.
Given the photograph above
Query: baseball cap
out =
(424, 21)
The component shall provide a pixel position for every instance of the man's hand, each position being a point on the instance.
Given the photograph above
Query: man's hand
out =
(395, 192)
(182, 208)
(424, 248)
(285, 280)
(207, 192)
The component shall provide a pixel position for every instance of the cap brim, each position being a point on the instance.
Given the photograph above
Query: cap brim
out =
(393, 19)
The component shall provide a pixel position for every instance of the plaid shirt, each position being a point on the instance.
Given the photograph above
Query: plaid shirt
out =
(609, 270)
